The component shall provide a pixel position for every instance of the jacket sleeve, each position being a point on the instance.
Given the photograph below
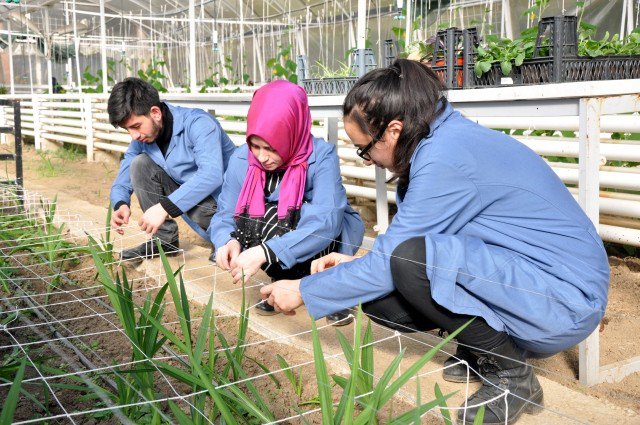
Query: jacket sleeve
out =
(222, 223)
(440, 199)
(121, 189)
(320, 219)
(205, 136)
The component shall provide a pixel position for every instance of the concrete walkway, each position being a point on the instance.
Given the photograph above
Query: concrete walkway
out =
(563, 405)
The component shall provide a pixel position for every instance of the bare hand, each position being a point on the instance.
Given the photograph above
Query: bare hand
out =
(328, 261)
(152, 219)
(227, 254)
(247, 263)
(120, 217)
(283, 295)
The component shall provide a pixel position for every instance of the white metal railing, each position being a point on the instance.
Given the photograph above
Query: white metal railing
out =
(610, 195)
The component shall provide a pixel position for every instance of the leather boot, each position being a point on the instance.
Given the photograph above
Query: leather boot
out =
(504, 368)
(340, 318)
(149, 250)
(458, 372)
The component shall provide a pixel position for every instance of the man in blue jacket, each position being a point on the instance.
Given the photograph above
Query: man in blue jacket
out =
(174, 164)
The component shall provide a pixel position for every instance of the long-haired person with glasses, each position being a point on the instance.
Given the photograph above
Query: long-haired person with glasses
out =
(484, 229)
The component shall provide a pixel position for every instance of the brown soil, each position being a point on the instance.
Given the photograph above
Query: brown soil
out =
(618, 331)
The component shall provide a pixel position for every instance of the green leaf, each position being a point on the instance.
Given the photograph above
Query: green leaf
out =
(446, 414)
(519, 59)
(479, 419)
(182, 417)
(408, 417)
(11, 400)
(505, 67)
(324, 387)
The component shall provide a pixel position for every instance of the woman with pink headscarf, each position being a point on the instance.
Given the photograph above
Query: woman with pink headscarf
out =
(282, 202)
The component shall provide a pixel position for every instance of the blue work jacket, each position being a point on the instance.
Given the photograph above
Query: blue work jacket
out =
(325, 214)
(196, 159)
(505, 240)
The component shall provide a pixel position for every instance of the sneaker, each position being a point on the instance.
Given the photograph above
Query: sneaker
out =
(340, 318)
(149, 250)
(263, 308)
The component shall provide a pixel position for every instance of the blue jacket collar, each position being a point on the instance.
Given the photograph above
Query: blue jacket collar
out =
(178, 119)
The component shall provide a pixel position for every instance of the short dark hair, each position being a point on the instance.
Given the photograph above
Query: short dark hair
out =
(131, 96)
(406, 91)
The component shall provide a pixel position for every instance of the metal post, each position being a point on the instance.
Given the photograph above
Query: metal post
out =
(103, 48)
(193, 84)
(17, 136)
(48, 40)
(589, 196)
(362, 37)
(88, 128)
(12, 87)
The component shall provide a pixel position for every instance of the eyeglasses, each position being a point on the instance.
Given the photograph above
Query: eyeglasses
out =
(364, 152)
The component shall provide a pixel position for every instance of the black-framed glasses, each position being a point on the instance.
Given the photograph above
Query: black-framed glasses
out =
(364, 152)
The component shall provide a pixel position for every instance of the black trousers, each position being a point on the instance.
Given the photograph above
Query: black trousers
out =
(151, 183)
(410, 307)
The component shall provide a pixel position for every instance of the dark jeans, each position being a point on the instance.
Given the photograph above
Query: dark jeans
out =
(410, 307)
(151, 183)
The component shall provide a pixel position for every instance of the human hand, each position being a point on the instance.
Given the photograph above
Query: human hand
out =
(227, 253)
(329, 260)
(283, 295)
(152, 219)
(247, 263)
(120, 217)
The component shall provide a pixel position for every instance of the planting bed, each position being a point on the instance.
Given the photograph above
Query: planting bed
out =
(73, 177)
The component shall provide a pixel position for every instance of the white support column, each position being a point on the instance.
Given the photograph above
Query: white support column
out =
(241, 30)
(36, 123)
(588, 196)
(409, 26)
(103, 48)
(362, 25)
(382, 203)
(88, 128)
(48, 40)
(12, 87)
(331, 130)
(193, 83)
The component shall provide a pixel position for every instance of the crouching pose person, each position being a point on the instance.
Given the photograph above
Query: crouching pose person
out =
(282, 202)
(484, 229)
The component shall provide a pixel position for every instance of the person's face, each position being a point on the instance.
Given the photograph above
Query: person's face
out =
(144, 128)
(375, 151)
(266, 155)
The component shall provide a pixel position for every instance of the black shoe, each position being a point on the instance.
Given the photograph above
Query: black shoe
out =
(458, 372)
(212, 256)
(149, 250)
(504, 368)
(263, 308)
(340, 318)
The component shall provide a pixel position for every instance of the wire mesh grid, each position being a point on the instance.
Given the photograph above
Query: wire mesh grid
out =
(59, 320)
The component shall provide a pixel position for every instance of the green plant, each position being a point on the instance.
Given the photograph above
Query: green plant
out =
(506, 52)
(282, 66)
(11, 401)
(607, 45)
(153, 75)
(47, 168)
(322, 71)
(359, 387)
(93, 83)
(295, 380)
(50, 244)
(4, 90)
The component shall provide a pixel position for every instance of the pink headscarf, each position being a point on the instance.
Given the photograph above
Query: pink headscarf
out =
(279, 114)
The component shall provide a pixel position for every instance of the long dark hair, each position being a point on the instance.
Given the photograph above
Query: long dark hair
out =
(407, 91)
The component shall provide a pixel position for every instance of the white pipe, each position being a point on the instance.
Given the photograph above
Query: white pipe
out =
(608, 123)
(193, 83)
(103, 48)
(620, 235)
(12, 86)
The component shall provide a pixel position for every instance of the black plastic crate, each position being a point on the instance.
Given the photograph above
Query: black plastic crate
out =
(447, 61)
